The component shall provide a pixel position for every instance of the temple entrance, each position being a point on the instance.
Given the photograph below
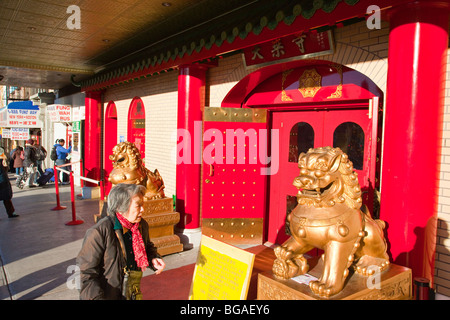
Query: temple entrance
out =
(308, 104)
(348, 129)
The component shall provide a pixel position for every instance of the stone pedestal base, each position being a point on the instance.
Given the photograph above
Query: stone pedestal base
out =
(161, 220)
(396, 284)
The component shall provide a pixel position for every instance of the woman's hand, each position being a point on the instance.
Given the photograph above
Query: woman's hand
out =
(159, 265)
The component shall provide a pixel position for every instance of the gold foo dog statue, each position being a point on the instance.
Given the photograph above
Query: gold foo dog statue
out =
(128, 168)
(328, 217)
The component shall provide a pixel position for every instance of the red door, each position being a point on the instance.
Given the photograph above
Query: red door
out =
(234, 176)
(347, 128)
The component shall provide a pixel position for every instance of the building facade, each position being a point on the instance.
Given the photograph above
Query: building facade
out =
(381, 91)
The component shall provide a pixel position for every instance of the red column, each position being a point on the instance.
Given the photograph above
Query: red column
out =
(92, 136)
(413, 132)
(191, 101)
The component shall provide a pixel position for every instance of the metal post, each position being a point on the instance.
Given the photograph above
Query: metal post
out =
(72, 198)
(58, 205)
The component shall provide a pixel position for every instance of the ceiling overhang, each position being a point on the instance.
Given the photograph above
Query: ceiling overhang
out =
(121, 41)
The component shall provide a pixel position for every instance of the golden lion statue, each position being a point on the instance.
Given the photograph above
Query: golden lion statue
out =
(128, 168)
(328, 217)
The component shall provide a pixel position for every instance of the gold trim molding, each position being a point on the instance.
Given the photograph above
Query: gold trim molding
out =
(235, 115)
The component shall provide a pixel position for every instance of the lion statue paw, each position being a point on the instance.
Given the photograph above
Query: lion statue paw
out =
(288, 264)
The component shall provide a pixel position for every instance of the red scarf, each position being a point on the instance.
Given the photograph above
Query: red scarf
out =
(140, 254)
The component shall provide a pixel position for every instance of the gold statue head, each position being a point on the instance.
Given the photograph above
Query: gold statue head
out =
(125, 155)
(326, 178)
(128, 168)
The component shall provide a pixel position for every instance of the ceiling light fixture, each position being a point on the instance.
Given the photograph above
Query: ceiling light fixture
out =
(166, 4)
(105, 40)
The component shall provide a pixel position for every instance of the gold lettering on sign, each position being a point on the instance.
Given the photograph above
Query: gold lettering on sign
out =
(309, 83)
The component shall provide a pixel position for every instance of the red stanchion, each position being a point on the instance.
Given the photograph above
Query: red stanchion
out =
(58, 204)
(74, 221)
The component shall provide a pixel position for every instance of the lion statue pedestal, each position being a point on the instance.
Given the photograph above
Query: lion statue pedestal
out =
(161, 219)
(328, 216)
(158, 210)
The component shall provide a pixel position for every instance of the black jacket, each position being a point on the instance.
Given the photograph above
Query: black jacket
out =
(5, 186)
(30, 156)
(102, 262)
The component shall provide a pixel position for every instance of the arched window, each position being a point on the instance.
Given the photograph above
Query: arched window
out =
(136, 125)
(110, 139)
(349, 136)
(301, 139)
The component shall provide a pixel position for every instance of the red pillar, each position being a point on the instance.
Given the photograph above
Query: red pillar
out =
(413, 132)
(191, 101)
(92, 136)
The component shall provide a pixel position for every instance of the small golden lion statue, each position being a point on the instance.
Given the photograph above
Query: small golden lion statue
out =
(328, 217)
(128, 168)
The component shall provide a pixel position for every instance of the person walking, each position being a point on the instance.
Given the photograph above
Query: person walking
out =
(117, 249)
(61, 158)
(30, 163)
(18, 157)
(6, 192)
(41, 154)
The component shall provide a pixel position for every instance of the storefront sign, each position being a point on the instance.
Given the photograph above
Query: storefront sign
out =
(20, 133)
(222, 272)
(6, 133)
(76, 126)
(297, 46)
(60, 113)
(20, 114)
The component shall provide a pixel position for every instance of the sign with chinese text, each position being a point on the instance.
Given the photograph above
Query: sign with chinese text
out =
(222, 272)
(60, 113)
(20, 133)
(297, 46)
(21, 114)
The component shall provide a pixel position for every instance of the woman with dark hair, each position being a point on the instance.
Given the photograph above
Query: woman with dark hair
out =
(118, 249)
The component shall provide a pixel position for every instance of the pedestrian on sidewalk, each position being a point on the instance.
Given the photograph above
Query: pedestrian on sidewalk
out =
(6, 193)
(18, 161)
(30, 163)
(117, 249)
(61, 159)
(41, 154)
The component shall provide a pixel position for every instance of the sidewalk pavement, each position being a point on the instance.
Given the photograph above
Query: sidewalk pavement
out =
(38, 251)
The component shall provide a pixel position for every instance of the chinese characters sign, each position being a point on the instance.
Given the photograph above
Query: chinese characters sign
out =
(20, 134)
(20, 115)
(297, 46)
(23, 118)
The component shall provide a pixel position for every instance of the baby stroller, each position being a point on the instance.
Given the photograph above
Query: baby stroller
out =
(20, 181)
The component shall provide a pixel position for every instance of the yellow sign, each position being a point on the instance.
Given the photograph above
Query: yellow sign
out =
(222, 272)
